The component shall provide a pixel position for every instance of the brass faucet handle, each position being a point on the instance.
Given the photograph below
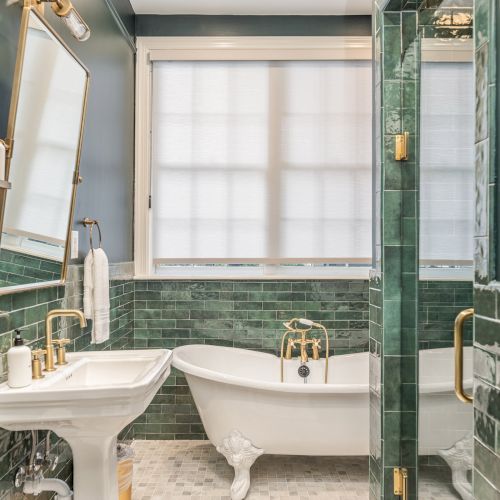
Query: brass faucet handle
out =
(290, 346)
(316, 346)
(38, 353)
(61, 342)
(36, 364)
(61, 350)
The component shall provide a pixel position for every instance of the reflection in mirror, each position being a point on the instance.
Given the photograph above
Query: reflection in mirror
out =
(447, 157)
(46, 148)
(447, 192)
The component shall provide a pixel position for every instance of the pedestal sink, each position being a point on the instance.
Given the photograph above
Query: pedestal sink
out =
(88, 402)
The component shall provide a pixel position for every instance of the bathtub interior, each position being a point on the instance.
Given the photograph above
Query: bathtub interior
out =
(344, 370)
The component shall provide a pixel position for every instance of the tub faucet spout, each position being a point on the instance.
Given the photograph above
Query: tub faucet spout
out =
(304, 358)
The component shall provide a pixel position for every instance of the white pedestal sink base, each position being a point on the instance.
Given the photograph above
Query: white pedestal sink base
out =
(88, 402)
(94, 467)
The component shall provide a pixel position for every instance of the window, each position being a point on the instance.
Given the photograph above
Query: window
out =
(259, 165)
(447, 164)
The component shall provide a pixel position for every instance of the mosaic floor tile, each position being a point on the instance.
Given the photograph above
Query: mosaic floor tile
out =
(178, 470)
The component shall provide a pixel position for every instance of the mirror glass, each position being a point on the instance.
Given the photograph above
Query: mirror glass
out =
(38, 209)
(447, 129)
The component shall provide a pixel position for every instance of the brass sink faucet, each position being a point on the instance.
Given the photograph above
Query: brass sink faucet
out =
(49, 343)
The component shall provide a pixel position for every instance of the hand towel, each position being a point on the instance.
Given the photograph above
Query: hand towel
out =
(96, 294)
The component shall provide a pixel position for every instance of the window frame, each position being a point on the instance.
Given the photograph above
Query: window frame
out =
(256, 48)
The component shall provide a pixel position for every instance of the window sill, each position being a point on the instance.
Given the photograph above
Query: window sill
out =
(218, 274)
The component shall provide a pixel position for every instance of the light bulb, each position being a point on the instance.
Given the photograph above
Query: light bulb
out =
(76, 25)
(72, 19)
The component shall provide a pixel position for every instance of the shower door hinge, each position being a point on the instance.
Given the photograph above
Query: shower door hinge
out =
(402, 143)
(401, 482)
(149, 201)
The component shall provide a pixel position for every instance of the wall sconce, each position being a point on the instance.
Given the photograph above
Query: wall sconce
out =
(71, 18)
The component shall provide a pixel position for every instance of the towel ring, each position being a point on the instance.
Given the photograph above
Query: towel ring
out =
(91, 223)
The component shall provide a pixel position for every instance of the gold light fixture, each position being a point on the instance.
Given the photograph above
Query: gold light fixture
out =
(71, 18)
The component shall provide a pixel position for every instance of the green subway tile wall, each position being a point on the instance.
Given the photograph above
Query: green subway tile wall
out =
(439, 303)
(20, 269)
(248, 313)
(486, 476)
(27, 310)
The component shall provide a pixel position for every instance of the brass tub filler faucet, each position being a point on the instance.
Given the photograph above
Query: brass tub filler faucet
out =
(298, 333)
(59, 343)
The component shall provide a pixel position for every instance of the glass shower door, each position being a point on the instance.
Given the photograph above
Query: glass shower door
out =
(447, 124)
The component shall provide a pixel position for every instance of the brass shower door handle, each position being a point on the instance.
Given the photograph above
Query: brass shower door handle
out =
(459, 355)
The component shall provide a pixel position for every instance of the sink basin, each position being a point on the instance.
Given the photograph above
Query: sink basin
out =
(88, 402)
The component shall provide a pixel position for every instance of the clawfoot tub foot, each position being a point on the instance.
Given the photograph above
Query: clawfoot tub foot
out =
(459, 458)
(240, 454)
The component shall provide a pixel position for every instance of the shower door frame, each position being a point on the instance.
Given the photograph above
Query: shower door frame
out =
(394, 279)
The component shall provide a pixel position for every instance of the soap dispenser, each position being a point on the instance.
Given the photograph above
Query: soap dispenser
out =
(19, 363)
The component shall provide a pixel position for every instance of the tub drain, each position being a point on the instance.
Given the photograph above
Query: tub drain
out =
(304, 371)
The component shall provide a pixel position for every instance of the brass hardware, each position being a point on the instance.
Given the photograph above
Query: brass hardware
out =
(28, 10)
(459, 355)
(304, 358)
(77, 179)
(40, 7)
(71, 17)
(87, 222)
(49, 347)
(402, 143)
(90, 222)
(8, 144)
(292, 328)
(36, 363)
(4, 184)
(61, 350)
(316, 346)
(401, 482)
(289, 348)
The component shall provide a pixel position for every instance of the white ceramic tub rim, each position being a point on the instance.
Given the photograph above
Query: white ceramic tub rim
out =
(224, 378)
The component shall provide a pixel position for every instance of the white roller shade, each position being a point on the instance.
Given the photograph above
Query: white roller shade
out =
(447, 162)
(259, 161)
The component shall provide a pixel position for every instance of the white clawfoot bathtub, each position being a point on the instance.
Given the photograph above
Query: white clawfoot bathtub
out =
(247, 411)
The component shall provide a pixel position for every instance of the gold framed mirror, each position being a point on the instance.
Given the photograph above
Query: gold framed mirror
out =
(44, 141)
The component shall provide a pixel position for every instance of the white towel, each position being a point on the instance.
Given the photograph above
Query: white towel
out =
(96, 294)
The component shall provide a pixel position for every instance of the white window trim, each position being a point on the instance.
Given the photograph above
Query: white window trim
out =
(217, 48)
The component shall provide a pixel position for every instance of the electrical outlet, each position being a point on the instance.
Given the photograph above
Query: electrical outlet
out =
(74, 244)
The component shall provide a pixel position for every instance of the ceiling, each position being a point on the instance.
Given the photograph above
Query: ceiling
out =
(253, 7)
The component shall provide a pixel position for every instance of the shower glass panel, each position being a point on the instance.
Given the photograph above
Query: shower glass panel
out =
(446, 160)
